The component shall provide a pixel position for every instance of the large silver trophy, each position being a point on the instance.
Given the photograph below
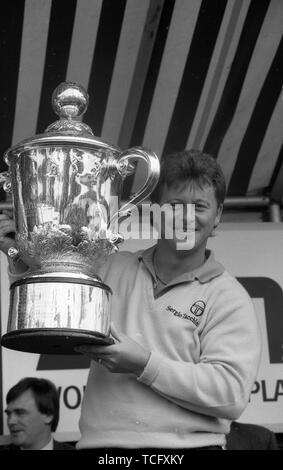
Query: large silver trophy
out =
(65, 185)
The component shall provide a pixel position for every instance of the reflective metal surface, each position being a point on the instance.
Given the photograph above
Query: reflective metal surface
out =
(64, 211)
(60, 302)
(66, 186)
(55, 313)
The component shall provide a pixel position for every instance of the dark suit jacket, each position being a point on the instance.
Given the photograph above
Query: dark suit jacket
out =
(63, 446)
(245, 436)
(57, 446)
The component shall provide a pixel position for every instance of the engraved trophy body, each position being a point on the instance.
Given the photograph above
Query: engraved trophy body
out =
(66, 186)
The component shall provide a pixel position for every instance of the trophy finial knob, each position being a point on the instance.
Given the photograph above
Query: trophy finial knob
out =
(70, 100)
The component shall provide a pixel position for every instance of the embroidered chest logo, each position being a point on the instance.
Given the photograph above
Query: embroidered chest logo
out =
(197, 308)
(185, 316)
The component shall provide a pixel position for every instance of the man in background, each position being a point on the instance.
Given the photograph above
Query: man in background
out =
(245, 436)
(32, 416)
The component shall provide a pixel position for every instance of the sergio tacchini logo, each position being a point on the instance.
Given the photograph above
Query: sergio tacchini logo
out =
(197, 308)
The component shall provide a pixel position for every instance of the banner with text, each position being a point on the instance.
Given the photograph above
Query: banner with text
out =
(251, 252)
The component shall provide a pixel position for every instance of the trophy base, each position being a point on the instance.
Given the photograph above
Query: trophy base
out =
(52, 341)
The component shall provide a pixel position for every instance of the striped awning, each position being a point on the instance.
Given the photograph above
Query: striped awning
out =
(165, 74)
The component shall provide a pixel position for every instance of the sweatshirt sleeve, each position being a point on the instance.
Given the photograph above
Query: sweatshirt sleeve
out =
(220, 383)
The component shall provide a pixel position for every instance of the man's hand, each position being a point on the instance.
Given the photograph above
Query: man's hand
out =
(125, 356)
(7, 226)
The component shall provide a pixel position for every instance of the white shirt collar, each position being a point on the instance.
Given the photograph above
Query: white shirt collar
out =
(49, 446)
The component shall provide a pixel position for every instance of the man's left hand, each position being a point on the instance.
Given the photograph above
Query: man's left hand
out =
(125, 356)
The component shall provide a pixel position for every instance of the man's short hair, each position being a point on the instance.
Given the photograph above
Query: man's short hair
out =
(187, 166)
(45, 395)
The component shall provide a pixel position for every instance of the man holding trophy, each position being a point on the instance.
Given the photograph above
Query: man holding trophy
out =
(183, 348)
(187, 342)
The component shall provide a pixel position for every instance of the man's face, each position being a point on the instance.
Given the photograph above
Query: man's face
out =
(28, 427)
(207, 213)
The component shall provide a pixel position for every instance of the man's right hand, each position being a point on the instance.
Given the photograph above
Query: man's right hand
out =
(7, 228)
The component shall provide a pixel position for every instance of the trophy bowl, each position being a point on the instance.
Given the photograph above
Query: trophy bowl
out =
(66, 187)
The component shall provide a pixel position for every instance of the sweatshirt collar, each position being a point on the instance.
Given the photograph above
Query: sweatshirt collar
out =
(204, 273)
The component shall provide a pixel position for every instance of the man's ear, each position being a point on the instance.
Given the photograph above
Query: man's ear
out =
(47, 418)
(217, 220)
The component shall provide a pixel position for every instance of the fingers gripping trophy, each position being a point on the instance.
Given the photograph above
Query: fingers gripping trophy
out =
(65, 184)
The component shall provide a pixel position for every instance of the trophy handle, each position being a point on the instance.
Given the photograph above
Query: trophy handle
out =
(125, 168)
(5, 180)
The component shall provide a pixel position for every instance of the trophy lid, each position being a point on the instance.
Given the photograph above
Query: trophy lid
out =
(69, 101)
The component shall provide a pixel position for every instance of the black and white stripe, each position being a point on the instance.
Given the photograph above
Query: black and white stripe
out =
(166, 74)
